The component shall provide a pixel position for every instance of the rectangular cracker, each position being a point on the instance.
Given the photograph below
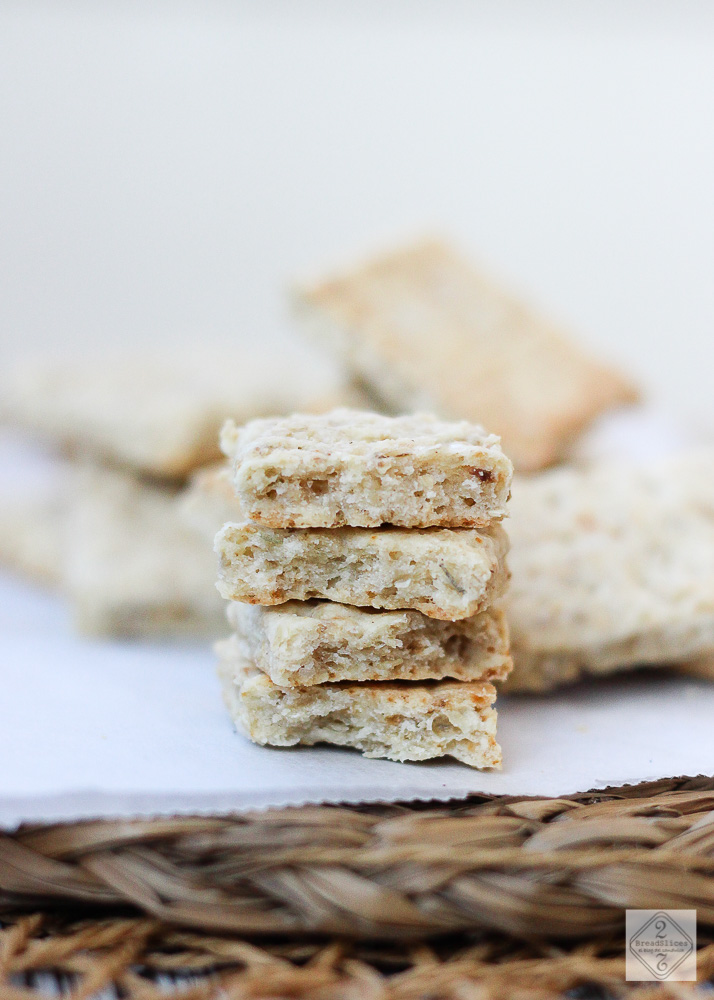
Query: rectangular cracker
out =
(612, 568)
(357, 468)
(398, 721)
(132, 566)
(161, 413)
(444, 573)
(425, 330)
(302, 643)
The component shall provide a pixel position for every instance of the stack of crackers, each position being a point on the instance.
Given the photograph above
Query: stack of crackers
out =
(365, 579)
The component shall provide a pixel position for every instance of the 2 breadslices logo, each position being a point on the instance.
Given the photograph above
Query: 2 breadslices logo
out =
(661, 945)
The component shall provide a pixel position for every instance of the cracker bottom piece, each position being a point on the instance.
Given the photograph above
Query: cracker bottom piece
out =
(399, 721)
(302, 643)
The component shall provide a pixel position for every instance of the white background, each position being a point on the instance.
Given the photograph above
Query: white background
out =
(166, 166)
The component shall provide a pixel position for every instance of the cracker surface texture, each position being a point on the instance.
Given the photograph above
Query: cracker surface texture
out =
(402, 722)
(299, 644)
(362, 469)
(444, 573)
(613, 567)
(425, 330)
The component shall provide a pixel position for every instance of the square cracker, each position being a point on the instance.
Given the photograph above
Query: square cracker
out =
(425, 330)
(133, 568)
(399, 721)
(161, 414)
(351, 467)
(612, 568)
(302, 643)
(444, 573)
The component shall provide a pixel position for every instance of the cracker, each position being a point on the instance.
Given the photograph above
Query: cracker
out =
(32, 536)
(701, 667)
(299, 644)
(161, 414)
(357, 468)
(444, 573)
(133, 568)
(612, 568)
(208, 502)
(426, 331)
(395, 720)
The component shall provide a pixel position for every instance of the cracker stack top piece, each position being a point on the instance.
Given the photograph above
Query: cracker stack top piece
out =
(357, 469)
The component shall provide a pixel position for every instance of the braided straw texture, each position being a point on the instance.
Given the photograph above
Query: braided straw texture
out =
(140, 959)
(351, 896)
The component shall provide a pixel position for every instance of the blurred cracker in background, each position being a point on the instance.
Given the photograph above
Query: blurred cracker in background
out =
(160, 414)
(612, 569)
(424, 330)
(31, 536)
(132, 566)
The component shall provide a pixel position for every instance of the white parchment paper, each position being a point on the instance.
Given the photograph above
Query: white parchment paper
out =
(110, 729)
(93, 729)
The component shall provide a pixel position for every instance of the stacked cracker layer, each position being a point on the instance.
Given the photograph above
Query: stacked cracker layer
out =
(364, 582)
